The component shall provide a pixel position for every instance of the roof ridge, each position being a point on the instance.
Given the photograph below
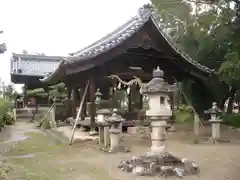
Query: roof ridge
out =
(36, 56)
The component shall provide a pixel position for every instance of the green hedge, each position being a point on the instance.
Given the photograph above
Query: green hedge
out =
(231, 119)
(6, 117)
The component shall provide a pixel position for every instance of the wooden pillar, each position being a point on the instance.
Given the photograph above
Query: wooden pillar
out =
(69, 93)
(141, 101)
(92, 100)
(74, 101)
(84, 108)
(25, 95)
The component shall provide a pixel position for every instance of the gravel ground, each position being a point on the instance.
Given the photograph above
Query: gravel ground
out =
(35, 155)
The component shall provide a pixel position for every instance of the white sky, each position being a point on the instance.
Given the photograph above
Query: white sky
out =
(58, 27)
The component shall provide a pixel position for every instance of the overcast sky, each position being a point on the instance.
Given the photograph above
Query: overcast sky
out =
(58, 27)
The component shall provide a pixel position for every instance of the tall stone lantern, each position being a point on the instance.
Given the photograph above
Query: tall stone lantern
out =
(158, 161)
(159, 112)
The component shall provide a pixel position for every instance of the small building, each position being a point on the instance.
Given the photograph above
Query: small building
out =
(132, 50)
(27, 69)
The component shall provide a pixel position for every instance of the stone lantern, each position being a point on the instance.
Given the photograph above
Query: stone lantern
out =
(158, 161)
(159, 112)
(115, 120)
(103, 127)
(98, 96)
(215, 121)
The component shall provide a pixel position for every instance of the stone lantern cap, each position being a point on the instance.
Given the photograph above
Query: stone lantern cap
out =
(115, 118)
(213, 110)
(157, 84)
(102, 115)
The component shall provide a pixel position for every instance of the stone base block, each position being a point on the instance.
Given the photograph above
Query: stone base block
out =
(165, 165)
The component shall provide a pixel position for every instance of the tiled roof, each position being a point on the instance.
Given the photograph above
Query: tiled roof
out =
(124, 32)
(115, 38)
(34, 65)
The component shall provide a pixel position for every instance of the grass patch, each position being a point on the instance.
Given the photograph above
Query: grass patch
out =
(40, 169)
(53, 161)
(36, 142)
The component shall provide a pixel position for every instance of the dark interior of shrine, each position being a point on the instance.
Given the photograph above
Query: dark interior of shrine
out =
(138, 62)
(31, 82)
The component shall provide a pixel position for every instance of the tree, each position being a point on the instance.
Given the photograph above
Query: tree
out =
(210, 34)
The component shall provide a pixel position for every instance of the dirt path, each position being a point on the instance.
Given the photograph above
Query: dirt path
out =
(35, 155)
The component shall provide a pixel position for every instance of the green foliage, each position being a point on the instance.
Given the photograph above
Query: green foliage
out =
(229, 71)
(184, 114)
(210, 35)
(37, 92)
(8, 118)
(5, 116)
(232, 119)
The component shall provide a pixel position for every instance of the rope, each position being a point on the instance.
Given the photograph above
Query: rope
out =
(189, 104)
(136, 80)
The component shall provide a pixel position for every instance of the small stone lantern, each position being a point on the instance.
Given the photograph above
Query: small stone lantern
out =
(103, 127)
(115, 120)
(215, 121)
(98, 96)
(159, 112)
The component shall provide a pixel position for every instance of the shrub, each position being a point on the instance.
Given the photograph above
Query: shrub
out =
(231, 119)
(4, 109)
(184, 114)
(8, 118)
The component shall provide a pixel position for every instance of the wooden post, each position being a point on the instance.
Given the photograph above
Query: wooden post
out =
(92, 100)
(15, 114)
(74, 103)
(69, 93)
(25, 95)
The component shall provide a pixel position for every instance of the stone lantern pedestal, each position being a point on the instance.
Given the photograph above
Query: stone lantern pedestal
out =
(158, 135)
(215, 129)
(158, 161)
(103, 128)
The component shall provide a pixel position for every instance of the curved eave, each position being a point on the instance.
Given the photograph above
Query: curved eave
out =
(55, 76)
(181, 53)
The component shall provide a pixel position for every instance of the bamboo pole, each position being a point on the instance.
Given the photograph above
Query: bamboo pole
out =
(79, 113)
(45, 116)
